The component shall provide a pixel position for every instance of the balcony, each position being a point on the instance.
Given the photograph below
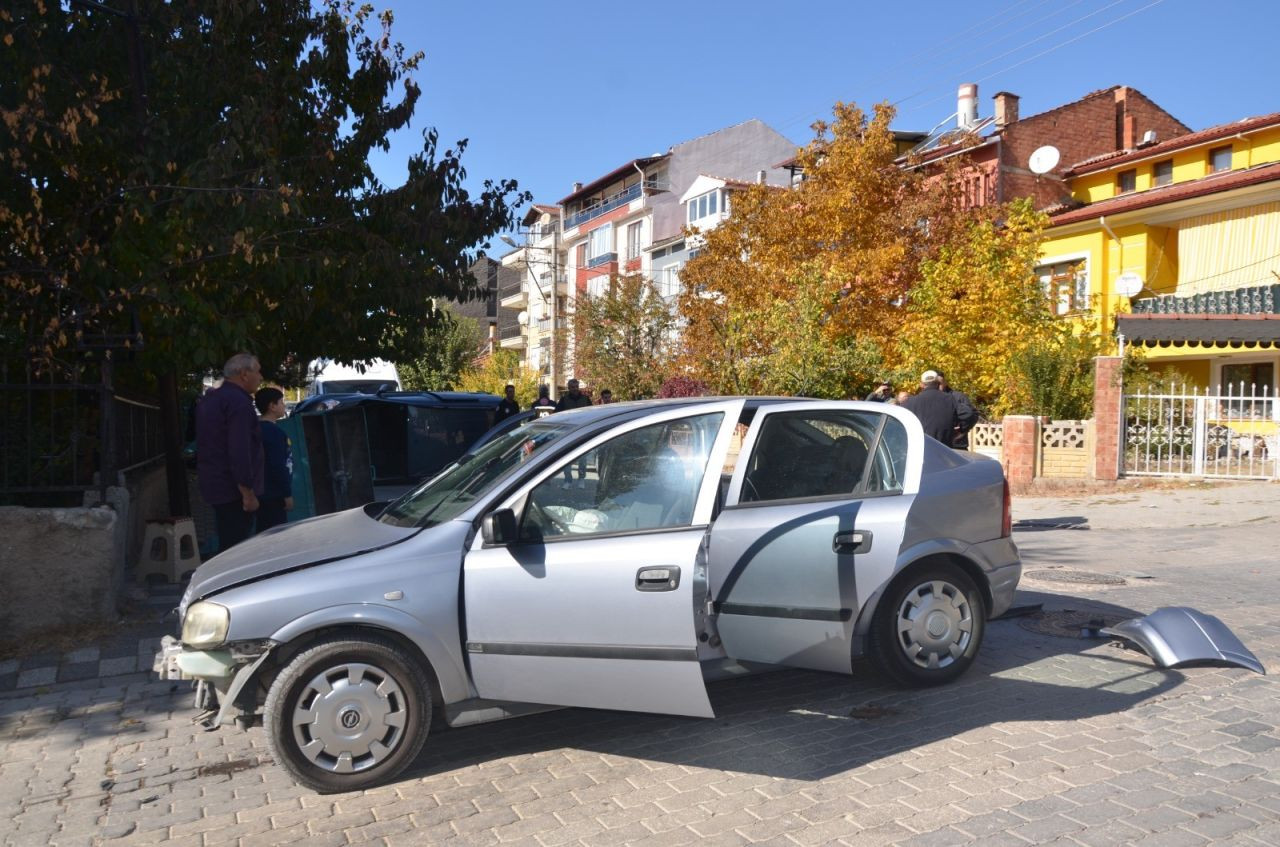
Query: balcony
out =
(511, 336)
(538, 233)
(513, 295)
(608, 205)
(602, 259)
(1253, 300)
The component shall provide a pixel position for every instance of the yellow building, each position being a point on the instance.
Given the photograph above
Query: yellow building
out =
(1175, 246)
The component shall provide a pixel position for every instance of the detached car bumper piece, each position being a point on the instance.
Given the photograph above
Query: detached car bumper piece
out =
(1177, 635)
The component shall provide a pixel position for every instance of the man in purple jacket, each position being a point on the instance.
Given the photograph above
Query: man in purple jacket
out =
(229, 457)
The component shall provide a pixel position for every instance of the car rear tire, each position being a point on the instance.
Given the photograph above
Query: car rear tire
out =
(348, 713)
(928, 627)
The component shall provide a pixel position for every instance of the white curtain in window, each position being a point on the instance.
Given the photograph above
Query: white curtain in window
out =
(600, 241)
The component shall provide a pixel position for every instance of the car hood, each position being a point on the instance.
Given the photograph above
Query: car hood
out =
(293, 546)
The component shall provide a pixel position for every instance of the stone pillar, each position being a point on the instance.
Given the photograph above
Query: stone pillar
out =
(1108, 440)
(1021, 448)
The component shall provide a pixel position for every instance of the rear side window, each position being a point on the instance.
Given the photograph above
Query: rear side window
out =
(822, 453)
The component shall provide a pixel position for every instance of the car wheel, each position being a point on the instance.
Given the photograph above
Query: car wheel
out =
(929, 627)
(348, 713)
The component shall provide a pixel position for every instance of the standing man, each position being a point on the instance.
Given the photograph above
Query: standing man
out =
(574, 399)
(882, 394)
(935, 409)
(508, 406)
(229, 457)
(967, 415)
(544, 405)
(277, 452)
(606, 396)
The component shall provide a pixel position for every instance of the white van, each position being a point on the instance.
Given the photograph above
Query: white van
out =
(328, 377)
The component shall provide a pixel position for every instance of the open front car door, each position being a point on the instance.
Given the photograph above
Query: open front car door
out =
(581, 590)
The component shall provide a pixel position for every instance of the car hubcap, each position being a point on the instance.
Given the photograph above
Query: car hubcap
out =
(349, 718)
(935, 624)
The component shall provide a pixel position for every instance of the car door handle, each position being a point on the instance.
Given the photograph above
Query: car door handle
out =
(853, 541)
(658, 579)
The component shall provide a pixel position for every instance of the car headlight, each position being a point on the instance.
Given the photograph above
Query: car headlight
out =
(205, 625)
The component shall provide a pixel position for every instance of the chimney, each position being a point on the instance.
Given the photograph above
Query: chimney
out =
(1124, 139)
(967, 105)
(1130, 138)
(761, 177)
(577, 186)
(1006, 108)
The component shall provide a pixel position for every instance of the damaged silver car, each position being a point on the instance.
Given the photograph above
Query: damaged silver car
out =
(613, 557)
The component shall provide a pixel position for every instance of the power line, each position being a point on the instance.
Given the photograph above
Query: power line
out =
(1059, 45)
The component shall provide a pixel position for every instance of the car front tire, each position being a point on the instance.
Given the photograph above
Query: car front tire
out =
(348, 713)
(928, 627)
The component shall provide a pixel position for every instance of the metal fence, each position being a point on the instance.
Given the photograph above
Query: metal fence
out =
(1231, 432)
(61, 434)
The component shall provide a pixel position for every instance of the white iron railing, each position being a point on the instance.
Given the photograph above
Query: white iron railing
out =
(1188, 431)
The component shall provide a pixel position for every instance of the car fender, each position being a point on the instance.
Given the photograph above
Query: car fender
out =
(909, 556)
(453, 680)
(1178, 635)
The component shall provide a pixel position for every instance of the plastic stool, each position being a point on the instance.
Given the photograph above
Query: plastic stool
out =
(169, 549)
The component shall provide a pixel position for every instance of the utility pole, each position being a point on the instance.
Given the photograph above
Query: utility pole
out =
(555, 296)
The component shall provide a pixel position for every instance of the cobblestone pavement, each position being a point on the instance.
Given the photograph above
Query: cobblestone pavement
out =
(1048, 740)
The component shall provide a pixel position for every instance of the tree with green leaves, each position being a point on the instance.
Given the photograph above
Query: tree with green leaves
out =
(501, 368)
(980, 315)
(623, 337)
(201, 173)
(451, 346)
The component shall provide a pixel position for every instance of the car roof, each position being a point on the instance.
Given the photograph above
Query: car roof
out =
(426, 399)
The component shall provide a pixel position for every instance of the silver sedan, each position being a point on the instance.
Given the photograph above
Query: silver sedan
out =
(613, 557)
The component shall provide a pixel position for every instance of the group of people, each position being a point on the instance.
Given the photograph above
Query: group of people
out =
(573, 398)
(945, 414)
(244, 461)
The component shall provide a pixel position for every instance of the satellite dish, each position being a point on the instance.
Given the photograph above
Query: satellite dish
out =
(523, 319)
(1044, 159)
(1128, 284)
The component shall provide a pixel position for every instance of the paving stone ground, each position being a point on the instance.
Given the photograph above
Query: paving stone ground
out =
(1048, 740)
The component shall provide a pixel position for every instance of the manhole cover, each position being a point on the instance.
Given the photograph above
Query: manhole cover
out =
(1068, 623)
(1075, 577)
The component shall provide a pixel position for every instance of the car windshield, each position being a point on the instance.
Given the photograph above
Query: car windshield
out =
(446, 495)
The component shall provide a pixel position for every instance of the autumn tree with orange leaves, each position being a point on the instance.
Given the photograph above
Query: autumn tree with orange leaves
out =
(843, 248)
(870, 268)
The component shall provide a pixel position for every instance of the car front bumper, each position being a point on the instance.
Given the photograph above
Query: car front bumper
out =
(220, 675)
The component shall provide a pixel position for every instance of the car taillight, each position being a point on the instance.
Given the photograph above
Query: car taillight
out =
(1006, 522)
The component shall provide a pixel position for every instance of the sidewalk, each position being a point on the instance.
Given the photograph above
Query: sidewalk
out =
(1204, 504)
(130, 651)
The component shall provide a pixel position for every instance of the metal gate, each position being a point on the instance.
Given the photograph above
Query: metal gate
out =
(1187, 431)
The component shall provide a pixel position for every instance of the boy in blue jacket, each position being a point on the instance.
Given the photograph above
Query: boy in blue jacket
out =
(277, 494)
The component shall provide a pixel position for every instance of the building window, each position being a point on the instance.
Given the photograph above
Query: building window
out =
(669, 282)
(1248, 379)
(1126, 181)
(599, 244)
(704, 205)
(1162, 173)
(633, 240)
(1066, 284)
(1220, 159)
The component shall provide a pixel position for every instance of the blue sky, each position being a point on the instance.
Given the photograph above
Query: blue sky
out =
(553, 93)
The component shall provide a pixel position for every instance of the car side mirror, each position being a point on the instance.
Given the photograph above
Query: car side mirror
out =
(499, 527)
